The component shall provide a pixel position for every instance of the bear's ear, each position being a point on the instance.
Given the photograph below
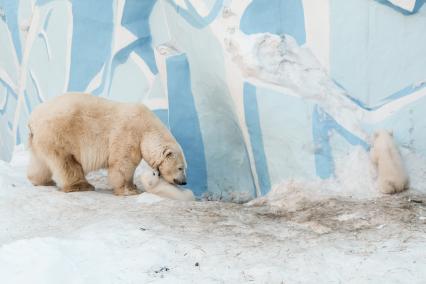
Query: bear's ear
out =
(167, 152)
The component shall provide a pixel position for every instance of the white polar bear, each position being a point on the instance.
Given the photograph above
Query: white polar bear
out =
(153, 183)
(392, 177)
(74, 134)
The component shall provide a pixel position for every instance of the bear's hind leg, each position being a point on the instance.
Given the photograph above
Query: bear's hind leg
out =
(387, 187)
(38, 172)
(71, 174)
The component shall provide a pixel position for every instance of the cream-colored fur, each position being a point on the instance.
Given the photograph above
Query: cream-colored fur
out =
(74, 134)
(153, 183)
(392, 177)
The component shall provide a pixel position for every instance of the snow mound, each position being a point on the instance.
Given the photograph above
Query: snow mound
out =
(50, 260)
(49, 237)
(354, 178)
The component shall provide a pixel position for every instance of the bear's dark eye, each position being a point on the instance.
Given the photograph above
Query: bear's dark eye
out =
(180, 169)
(153, 174)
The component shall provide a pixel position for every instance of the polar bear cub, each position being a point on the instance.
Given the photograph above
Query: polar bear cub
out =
(153, 183)
(392, 177)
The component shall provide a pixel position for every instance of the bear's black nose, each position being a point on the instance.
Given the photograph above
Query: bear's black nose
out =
(179, 182)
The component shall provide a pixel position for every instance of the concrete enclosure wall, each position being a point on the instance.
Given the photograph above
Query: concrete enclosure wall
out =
(256, 91)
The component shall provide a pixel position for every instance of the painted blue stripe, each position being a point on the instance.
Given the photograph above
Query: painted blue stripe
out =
(136, 19)
(47, 20)
(142, 47)
(184, 121)
(324, 163)
(355, 100)
(36, 89)
(3, 110)
(136, 16)
(275, 16)
(251, 112)
(409, 90)
(417, 6)
(91, 40)
(27, 102)
(322, 124)
(191, 15)
(404, 92)
(9, 90)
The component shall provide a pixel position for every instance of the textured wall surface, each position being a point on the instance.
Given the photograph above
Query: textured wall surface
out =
(256, 92)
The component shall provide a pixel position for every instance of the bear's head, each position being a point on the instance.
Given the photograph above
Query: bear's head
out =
(150, 179)
(173, 165)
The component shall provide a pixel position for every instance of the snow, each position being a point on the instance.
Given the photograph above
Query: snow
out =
(306, 236)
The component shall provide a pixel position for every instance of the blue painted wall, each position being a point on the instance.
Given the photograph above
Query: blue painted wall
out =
(242, 134)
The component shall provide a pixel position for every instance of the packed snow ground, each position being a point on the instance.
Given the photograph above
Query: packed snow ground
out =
(47, 236)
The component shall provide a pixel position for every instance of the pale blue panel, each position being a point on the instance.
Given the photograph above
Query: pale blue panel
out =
(286, 125)
(6, 141)
(409, 126)
(129, 83)
(191, 15)
(22, 128)
(9, 109)
(323, 126)
(10, 8)
(157, 89)
(50, 74)
(91, 40)
(375, 51)
(349, 25)
(228, 171)
(7, 52)
(276, 17)
(136, 19)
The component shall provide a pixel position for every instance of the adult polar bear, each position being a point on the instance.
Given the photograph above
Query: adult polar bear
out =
(74, 134)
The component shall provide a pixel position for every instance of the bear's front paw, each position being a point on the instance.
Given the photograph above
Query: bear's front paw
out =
(80, 186)
(125, 191)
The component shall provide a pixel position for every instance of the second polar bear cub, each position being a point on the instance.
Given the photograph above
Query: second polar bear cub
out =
(153, 183)
(392, 177)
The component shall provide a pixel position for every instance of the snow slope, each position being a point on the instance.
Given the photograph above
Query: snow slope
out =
(95, 237)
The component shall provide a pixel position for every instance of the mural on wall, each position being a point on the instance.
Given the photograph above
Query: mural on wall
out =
(257, 92)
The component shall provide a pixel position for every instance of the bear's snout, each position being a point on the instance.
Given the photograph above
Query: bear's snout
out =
(179, 182)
